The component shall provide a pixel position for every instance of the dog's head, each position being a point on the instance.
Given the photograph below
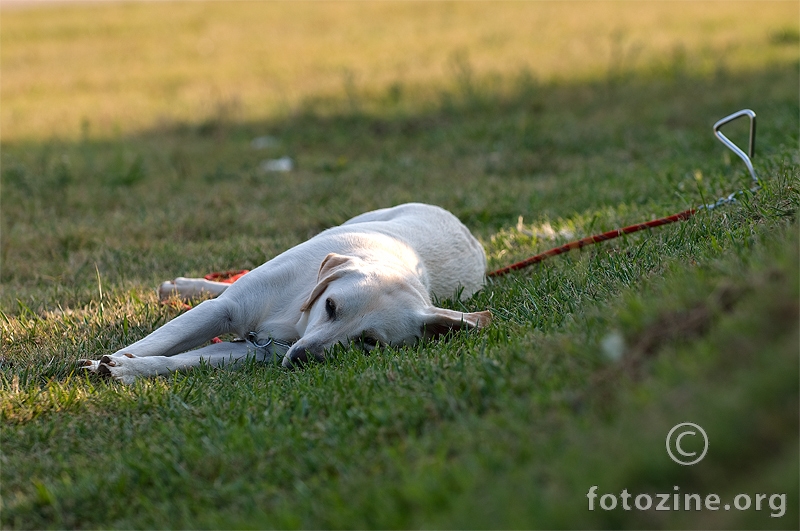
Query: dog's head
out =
(355, 301)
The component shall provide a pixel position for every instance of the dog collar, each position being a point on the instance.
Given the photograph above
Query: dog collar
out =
(269, 346)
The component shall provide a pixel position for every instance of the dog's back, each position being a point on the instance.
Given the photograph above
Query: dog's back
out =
(452, 257)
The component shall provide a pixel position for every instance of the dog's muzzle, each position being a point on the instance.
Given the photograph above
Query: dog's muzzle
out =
(300, 355)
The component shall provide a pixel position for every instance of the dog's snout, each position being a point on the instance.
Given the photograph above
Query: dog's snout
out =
(299, 355)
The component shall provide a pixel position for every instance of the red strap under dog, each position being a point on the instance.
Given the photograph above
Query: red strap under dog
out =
(227, 277)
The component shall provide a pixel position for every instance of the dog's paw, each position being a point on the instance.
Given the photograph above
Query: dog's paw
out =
(168, 290)
(110, 366)
(184, 289)
(116, 368)
(89, 365)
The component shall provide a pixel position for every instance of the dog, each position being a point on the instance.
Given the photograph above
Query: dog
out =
(369, 281)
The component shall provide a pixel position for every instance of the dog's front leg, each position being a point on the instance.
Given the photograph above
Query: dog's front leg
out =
(127, 368)
(187, 331)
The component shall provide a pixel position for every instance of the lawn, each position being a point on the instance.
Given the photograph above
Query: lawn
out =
(132, 142)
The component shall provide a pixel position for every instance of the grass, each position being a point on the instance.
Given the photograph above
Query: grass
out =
(143, 169)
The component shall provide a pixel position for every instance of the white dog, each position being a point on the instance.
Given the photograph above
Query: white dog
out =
(369, 280)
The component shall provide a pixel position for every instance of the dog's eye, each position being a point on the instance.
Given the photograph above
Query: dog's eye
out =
(330, 309)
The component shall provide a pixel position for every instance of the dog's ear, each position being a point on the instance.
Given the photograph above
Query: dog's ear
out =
(438, 321)
(331, 262)
(331, 268)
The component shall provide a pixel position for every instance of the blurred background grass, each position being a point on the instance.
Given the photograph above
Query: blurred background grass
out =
(117, 68)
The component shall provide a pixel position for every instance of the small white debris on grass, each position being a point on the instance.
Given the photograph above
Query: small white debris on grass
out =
(264, 142)
(282, 164)
(613, 346)
(545, 231)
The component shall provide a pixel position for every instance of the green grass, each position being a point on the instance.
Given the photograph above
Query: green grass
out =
(505, 428)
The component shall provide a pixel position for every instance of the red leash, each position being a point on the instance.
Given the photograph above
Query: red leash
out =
(610, 235)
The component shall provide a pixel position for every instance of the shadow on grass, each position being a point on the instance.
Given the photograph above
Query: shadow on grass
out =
(490, 150)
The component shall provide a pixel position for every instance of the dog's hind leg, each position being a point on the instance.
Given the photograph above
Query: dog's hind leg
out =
(191, 288)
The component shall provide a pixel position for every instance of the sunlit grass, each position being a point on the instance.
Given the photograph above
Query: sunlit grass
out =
(117, 68)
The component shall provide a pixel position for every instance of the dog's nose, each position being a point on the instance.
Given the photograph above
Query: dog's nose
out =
(295, 357)
(298, 356)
